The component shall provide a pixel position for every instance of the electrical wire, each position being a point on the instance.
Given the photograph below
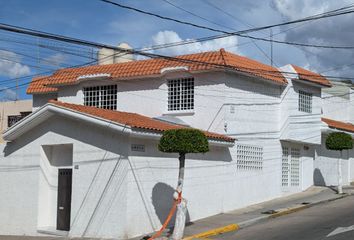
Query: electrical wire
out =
(337, 12)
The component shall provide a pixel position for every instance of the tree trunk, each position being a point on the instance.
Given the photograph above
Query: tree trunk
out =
(340, 187)
(182, 206)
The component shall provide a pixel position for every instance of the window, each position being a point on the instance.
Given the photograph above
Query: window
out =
(101, 96)
(249, 157)
(290, 167)
(305, 102)
(12, 119)
(180, 94)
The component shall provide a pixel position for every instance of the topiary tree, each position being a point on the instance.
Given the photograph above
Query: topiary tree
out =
(182, 141)
(339, 141)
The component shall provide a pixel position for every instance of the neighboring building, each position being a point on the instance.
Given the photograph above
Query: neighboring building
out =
(88, 163)
(12, 112)
(338, 115)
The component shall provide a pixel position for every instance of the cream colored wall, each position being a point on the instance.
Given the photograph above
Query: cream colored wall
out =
(12, 108)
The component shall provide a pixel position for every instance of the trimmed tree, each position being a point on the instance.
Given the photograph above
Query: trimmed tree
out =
(339, 141)
(182, 141)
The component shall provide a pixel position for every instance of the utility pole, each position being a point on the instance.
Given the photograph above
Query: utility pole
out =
(271, 47)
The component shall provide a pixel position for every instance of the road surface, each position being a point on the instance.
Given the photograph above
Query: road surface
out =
(329, 221)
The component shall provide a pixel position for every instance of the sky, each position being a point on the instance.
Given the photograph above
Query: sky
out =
(22, 56)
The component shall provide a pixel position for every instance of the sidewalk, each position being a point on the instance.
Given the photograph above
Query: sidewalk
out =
(241, 218)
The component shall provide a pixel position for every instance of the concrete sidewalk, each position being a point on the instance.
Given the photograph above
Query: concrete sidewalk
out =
(231, 221)
(234, 220)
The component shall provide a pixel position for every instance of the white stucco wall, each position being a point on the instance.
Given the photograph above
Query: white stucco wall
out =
(99, 181)
(41, 99)
(301, 126)
(326, 166)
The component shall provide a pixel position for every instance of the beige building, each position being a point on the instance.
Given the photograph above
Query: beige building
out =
(13, 111)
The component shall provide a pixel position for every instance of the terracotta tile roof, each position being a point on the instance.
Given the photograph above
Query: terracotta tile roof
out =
(307, 75)
(39, 85)
(133, 120)
(339, 125)
(152, 67)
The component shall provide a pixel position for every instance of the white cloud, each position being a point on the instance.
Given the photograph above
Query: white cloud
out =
(164, 37)
(8, 95)
(333, 31)
(54, 60)
(298, 9)
(10, 68)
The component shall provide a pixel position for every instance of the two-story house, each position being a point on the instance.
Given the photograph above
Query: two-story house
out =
(86, 162)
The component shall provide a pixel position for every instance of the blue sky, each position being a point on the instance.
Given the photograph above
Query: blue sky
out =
(100, 22)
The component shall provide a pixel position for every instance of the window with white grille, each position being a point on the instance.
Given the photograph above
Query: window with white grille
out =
(295, 167)
(305, 102)
(180, 94)
(249, 157)
(285, 167)
(290, 167)
(101, 96)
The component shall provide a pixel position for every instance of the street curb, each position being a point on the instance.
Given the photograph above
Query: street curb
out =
(238, 226)
(214, 232)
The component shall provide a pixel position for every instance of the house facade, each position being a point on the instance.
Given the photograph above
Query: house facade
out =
(87, 158)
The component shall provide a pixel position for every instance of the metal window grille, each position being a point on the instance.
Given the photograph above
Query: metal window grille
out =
(180, 94)
(101, 97)
(295, 167)
(249, 157)
(285, 167)
(305, 102)
(11, 120)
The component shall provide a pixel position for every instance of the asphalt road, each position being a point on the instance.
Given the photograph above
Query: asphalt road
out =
(313, 223)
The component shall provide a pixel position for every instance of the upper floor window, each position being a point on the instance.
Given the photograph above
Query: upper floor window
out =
(101, 96)
(305, 102)
(180, 94)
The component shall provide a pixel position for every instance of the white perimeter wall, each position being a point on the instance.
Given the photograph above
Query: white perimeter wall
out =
(326, 166)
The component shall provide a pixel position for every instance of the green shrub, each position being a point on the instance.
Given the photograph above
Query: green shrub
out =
(339, 141)
(183, 140)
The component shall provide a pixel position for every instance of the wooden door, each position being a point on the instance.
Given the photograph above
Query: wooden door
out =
(64, 199)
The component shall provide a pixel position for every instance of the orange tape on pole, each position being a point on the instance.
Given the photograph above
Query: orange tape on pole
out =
(168, 219)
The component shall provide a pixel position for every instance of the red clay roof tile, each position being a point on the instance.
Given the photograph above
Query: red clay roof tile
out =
(133, 120)
(339, 125)
(39, 85)
(307, 75)
(195, 62)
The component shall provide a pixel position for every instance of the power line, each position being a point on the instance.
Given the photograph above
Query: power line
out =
(341, 11)
(215, 23)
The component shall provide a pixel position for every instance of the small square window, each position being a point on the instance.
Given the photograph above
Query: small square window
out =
(305, 102)
(180, 94)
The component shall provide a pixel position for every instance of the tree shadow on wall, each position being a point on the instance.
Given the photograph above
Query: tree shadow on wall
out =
(318, 178)
(162, 199)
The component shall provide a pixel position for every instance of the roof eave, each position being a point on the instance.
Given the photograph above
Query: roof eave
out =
(311, 83)
(258, 77)
(49, 110)
(142, 133)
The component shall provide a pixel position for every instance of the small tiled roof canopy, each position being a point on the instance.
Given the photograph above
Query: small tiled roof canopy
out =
(152, 67)
(132, 120)
(307, 75)
(339, 125)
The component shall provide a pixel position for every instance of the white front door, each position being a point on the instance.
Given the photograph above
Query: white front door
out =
(290, 167)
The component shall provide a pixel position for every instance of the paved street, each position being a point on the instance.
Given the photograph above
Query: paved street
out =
(312, 224)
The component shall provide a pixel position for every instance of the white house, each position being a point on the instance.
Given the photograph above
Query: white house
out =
(86, 164)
